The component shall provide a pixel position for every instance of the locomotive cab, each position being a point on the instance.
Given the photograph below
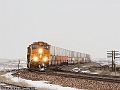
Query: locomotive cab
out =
(38, 55)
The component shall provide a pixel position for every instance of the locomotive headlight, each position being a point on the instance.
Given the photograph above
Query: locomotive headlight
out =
(40, 50)
(45, 59)
(35, 58)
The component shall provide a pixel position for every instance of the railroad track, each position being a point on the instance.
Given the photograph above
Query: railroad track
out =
(86, 76)
(8, 86)
(107, 78)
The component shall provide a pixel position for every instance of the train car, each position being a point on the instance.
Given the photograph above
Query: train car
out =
(41, 55)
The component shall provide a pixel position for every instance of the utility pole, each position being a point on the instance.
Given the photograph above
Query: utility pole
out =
(113, 54)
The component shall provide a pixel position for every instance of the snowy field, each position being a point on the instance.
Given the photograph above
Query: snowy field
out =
(7, 65)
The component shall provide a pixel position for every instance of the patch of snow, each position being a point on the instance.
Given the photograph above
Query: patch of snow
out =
(85, 71)
(94, 73)
(39, 84)
(76, 69)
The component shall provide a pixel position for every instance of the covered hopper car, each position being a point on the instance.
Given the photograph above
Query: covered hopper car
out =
(41, 55)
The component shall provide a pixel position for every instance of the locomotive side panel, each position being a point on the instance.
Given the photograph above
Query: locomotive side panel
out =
(61, 55)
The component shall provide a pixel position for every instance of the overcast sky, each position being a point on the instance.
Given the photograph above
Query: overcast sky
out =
(87, 26)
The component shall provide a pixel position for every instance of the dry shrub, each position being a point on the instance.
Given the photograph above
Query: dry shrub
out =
(105, 72)
(1, 72)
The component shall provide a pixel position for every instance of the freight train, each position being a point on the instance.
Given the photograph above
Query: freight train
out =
(41, 55)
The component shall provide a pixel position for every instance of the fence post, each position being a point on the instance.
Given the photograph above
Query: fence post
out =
(18, 67)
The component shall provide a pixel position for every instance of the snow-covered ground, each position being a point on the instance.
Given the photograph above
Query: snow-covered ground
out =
(13, 64)
(7, 65)
(39, 84)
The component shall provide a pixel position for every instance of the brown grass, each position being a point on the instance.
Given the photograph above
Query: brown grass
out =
(105, 72)
(1, 73)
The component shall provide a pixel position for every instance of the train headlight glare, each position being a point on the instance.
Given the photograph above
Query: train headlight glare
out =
(45, 59)
(35, 58)
(40, 50)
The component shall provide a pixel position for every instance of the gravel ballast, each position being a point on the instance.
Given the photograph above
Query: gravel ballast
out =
(70, 82)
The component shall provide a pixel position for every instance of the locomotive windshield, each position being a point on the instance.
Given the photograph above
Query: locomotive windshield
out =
(45, 47)
(35, 46)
